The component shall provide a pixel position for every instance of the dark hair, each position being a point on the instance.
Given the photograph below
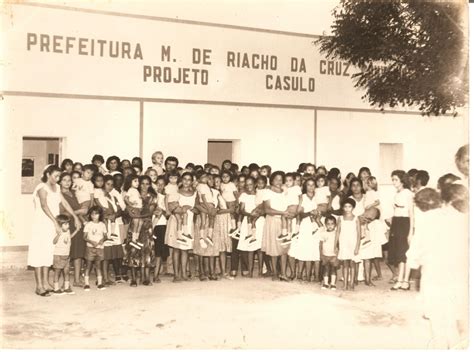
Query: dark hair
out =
(329, 218)
(138, 160)
(49, 170)
(161, 177)
(253, 167)
(190, 166)
(108, 178)
(462, 151)
(90, 167)
(322, 167)
(446, 180)
(354, 180)
(217, 176)
(403, 177)
(308, 165)
(226, 172)
(64, 174)
(346, 179)
(75, 172)
(125, 160)
(412, 172)
(150, 190)
(227, 161)
(172, 173)
(66, 161)
(96, 209)
(456, 195)
(334, 172)
(422, 176)
(198, 167)
(138, 167)
(173, 159)
(250, 178)
(350, 201)
(318, 177)
(187, 174)
(268, 168)
(263, 178)
(427, 199)
(362, 169)
(128, 182)
(243, 168)
(275, 174)
(200, 174)
(62, 219)
(290, 174)
(234, 167)
(302, 168)
(97, 157)
(109, 160)
(77, 163)
(95, 177)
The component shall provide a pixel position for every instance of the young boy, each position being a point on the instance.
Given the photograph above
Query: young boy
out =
(328, 255)
(62, 245)
(85, 191)
(98, 160)
(157, 160)
(95, 234)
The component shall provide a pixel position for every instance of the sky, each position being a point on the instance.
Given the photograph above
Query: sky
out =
(302, 16)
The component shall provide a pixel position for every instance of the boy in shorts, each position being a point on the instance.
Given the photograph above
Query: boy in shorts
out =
(62, 246)
(328, 255)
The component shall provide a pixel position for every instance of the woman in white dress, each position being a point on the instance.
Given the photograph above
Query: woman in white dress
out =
(47, 197)
(306, 247)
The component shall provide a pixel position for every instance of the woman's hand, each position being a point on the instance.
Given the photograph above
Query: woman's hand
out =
(77, 223)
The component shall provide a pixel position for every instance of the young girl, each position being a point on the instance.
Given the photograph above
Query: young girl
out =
(95, 234)
(364, 174)
(322, 198)
(134, 202)
(230, 194)
(153, 174)
(75, 175)
(207, 208)
(348, 241)
(172, 205)
(291, 224)
(98, 181)
(328, 255)
(252, 225)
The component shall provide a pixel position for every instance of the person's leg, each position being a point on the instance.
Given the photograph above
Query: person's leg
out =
(222, 262)
(284, 258)
(156, 276)
(406, 277)
(352, 274)
(244, 263)
(317, 277)
(260, 262)
(176, 264)
(376, 264)
(356, 273)
(46, 282)
(87, 273)
(98, 269)
(251, 260)
(39, 280)
(57, 272)
(326, 273)
(67, 283)
(212, 268)
(292, 265)
(117, 266)
(105, 269)
(299, 271)
(77, 271)
(367, 272)
(268, 264)
(133, 272)
(234, 257)
(184, 265)
(274, 267)
(345, 273)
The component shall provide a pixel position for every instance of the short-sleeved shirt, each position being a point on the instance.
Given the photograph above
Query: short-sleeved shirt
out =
(205, 190)
(371, 197)
(249, 201)
(134, 198)
(228, 190)
(84, 190)
(95, 232)
(328, 239)
(293, 195)
(403, 200)
(159, 170)
(277, 200)
(172, 192)
(161, 204)
(322, 195)
(63, 246)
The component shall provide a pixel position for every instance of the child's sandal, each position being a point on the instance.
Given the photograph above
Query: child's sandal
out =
(405, 286)
(397, 286)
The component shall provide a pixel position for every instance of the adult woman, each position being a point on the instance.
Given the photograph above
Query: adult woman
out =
(67, 166)
(306, 247)
(335, 196)
(46, 198)
(78, 244)
(113, 250)
(187, 196)
(275, 207)
(346, 183)
(112, 164)
(144, 256)
(401, 228)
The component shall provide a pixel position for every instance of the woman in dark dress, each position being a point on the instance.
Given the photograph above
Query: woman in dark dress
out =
(141, 254)
(78, 245)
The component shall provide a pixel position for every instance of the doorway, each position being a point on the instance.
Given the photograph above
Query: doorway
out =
(220, 150)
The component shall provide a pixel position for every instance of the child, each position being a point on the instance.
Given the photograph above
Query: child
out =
(230, 195)
(95, 234)
(85, 190)
(98, 160)
(328, 253)
(98, 181)
(206, 207)
(134, 201)
(310, 169)
(372, 203)
(322, 195)
(291, 225)
(157, 160)
(62, 246)
(172, 206)
(348, 241)
(75, 175)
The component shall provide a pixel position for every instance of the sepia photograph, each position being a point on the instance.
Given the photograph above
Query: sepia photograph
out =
(204, 174)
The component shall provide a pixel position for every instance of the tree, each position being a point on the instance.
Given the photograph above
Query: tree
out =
(410, 53)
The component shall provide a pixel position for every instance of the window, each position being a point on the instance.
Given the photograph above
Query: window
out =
(220, 150)
(391, 158)
(37, 153)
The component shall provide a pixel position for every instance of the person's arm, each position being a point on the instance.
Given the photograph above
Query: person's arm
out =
(270, 211)
(88, 240)
(43, 195)
(167, 196)
(374, 204)
(412, 220)
(68, 208)
(338, 232)
(74, 233)
(56, 238)
(356, 252)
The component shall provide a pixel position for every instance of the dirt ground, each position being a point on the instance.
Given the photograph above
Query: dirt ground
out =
(244, 313)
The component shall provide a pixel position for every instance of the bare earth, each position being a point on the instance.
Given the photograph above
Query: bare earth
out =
(244, 313)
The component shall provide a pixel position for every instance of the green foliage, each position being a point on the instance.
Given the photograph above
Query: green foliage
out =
(421, 47)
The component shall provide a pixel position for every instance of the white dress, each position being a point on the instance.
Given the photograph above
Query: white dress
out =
(189, 201)
(347, 239)
(41, 247)
(250, 202)
(306, 246)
